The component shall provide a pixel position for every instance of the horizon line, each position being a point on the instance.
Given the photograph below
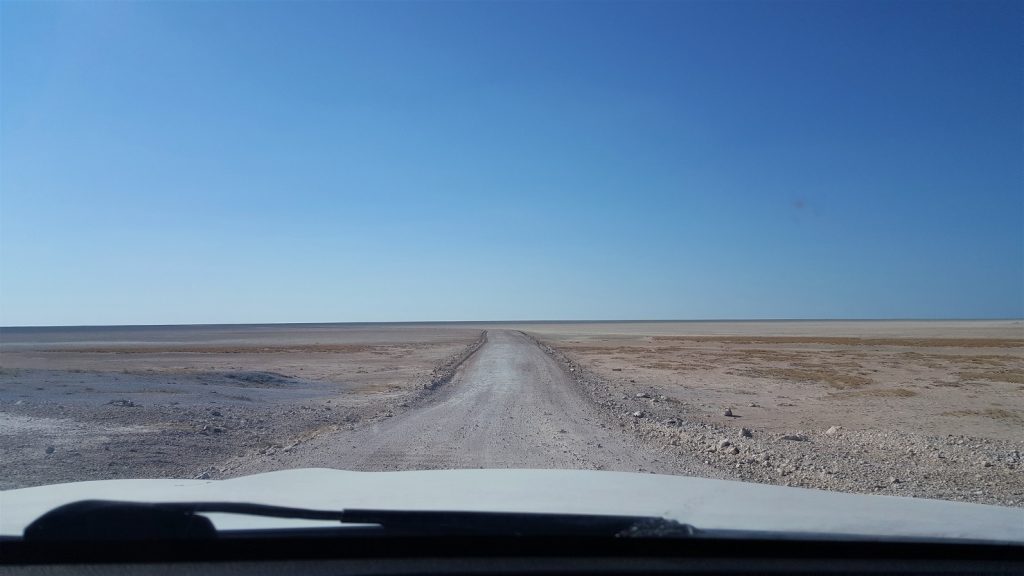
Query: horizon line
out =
(561, 321)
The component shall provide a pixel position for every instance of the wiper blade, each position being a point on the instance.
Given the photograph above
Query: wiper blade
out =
(116, 520)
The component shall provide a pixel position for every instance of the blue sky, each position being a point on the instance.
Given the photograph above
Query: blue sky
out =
(207, 162)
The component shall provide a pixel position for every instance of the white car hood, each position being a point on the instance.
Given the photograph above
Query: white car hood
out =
(701, 502)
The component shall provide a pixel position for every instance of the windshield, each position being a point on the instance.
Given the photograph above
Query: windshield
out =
(778, 243)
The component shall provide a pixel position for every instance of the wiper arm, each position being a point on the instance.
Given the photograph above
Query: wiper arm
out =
(115, 520)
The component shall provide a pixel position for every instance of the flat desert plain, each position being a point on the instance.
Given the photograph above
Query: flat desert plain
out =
(178, 401)
(925, 409)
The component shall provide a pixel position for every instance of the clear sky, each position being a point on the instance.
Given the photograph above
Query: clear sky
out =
(207, 162)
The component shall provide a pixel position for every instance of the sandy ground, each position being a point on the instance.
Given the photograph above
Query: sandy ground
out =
(927, 409)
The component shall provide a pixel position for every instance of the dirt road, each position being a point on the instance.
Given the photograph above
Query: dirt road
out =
(510, 405)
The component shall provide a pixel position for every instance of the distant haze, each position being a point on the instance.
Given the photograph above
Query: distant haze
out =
(235, 162)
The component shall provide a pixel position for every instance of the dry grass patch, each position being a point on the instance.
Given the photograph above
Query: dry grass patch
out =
(878, 393)
(760, 355)
(676, 366)
(216, 349)
(994, 413)
(954, 384)
(935, 360)
(819, 375)
(610, 349)
(991, 360)
(1010, 376)
(851, 341)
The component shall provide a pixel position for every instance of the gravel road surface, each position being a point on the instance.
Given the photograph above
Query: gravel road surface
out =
(510, 405)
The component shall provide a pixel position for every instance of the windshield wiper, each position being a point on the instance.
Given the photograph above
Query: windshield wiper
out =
(116, 520)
